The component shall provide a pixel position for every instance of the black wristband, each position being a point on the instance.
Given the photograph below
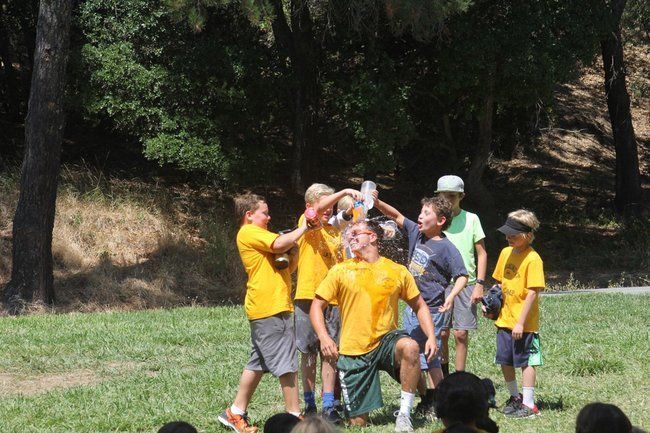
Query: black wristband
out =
(481, 282)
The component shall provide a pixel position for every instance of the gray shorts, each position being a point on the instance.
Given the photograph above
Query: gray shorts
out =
(306, 338)
(463, 316)
(412, 327)
(274, 345)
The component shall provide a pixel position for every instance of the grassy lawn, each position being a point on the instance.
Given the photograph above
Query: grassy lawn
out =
(110, 372)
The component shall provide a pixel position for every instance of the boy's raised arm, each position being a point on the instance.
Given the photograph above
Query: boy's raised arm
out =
(329, 201)
(282, 243)
(388, 210)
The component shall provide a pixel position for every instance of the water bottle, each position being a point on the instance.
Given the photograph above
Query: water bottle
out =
(367, 187)
(311, 216)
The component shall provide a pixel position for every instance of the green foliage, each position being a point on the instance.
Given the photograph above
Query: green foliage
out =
(192, 99)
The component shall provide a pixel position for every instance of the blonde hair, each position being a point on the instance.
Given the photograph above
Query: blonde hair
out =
(345, 203)
(314, 424)
(527, 218)
(245, 203)
(316, 191)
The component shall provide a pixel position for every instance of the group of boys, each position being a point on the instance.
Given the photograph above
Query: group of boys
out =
(347, 310)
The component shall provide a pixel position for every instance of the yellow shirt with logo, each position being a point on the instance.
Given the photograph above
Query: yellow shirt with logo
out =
(517, 273)
(319, 251)
(268, 290)
(368, 295)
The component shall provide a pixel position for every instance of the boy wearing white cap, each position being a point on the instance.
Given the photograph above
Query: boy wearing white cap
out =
(466, 233)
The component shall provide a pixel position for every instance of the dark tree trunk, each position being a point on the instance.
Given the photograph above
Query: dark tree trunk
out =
(31, 273)
(628, 182)
(298, 44)
(481, 156)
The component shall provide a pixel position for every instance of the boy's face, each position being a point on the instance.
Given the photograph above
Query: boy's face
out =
(358, 237)
(428, 221)
(518, 241)
(453, 197)
(260, 216)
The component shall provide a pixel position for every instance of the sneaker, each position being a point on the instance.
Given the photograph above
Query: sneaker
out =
(332, 415)
(426, 409)
(309, 410)
(238, 423)
(523, 411)
(403, 423)
(512, 404)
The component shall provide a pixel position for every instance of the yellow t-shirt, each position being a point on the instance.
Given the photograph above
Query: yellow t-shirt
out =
(517, 273)
(319, 251)
(367, 294)
(268, 290)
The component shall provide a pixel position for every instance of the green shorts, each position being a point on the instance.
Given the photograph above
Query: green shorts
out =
(360, 375)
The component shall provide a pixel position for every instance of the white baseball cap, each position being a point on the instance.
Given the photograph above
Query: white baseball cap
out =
(450, 183)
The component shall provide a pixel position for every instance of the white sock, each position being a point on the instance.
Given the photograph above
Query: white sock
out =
(237, 411)
(296, 414)
(406, 402)
(529, 396)
(513, 388)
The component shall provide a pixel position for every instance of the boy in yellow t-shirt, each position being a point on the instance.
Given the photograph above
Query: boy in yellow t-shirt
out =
(268, 308)
(520, 272)
(319, 250)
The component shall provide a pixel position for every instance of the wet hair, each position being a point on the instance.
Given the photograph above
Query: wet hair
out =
(245, 203)
(602, 418)
(314, 424)
(178, 427)
(281, 423)
(441, 206)
(461, 398)
(316, 191)
(374, 227)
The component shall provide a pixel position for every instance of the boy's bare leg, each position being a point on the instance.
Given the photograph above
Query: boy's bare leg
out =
(508, 373)
(359, 421)
(328, 375)
(308, 371)
(407, 355)
(435, 377)
(462, 341)
(444, 349)
(289, 384)
(528, 376)
(247, 385)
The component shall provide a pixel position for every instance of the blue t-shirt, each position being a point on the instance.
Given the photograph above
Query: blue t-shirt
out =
(434, 264)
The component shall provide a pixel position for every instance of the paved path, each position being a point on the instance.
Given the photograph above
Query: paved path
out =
(626, 290)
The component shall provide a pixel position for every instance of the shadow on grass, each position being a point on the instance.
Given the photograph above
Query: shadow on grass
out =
(552, 403)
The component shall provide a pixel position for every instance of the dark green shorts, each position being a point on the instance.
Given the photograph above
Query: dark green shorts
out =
(360, 375)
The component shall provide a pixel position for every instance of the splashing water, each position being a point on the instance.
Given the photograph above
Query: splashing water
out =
(392, 245)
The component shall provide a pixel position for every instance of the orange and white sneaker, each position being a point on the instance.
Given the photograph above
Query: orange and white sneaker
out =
(238, 423)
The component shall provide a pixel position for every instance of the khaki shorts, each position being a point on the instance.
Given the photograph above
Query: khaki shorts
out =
(306, 338)
(463, 315)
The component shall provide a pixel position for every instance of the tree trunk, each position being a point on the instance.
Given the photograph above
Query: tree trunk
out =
(483, 150)
(628, 181)
(297, 43)
(31, 273)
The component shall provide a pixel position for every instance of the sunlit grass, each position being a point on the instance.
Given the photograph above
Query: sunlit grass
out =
(134, 371)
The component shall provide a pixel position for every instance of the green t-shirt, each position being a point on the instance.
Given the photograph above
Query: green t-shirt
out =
(465, 230)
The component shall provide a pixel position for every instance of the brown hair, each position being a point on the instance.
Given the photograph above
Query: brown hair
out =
(245, 203)
(441, 206)
(314, 424)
